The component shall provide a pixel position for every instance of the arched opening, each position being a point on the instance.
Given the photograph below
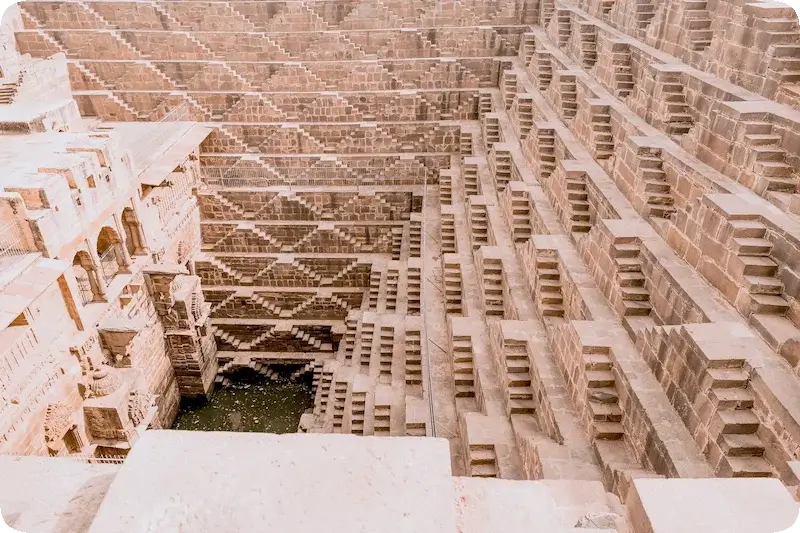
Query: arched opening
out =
(134, 238)
(109, 250)
(85, 274)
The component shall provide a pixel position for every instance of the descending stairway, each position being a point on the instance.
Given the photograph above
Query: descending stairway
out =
(482, 460)
(602, 397)
(549, 298)
(413, 368)
(767, 159)
(676, 114)
(580, 219)
(735, 422)
(645, 11)
(601, 135)
(635, 299)
(479, 225)
(463, 366)
(519, 393)
(698, 24)
(452, 288)
(657, 189)
(492, 281)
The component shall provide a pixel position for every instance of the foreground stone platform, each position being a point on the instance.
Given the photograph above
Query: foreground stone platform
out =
(176, 481)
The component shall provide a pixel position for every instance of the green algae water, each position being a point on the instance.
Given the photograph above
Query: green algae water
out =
(250, 403)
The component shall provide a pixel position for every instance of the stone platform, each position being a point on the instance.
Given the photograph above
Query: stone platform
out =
(175, 481)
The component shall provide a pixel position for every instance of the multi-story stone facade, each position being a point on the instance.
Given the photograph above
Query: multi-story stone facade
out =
(564, 236)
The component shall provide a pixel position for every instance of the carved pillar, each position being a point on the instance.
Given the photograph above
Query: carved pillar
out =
(184, 314)
(96, 279)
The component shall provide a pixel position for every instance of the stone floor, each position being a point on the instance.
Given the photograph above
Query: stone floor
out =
(562, 235)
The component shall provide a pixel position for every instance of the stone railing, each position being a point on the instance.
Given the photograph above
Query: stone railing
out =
(148, 145)
(13, 247)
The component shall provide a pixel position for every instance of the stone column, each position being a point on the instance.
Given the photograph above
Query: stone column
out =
(96, 279)
(190, 342)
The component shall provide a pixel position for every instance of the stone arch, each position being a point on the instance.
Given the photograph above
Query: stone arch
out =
(89, 289)
(134, 237)
(109, 250)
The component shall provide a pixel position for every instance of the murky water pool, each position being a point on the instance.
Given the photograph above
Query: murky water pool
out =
(250, 403)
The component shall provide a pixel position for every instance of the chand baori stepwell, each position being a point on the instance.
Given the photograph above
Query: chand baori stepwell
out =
(562, 237)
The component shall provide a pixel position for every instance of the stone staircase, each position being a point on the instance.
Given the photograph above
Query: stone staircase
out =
(520, 215)
(519, 394)
(479, 224)
(697, 21)
(543, 69)
(563, 27)
(601, 396)
(413, 362)
(382, 424)
(339, 399)
(482, 460)
(392, 281)
(767, 159)
(274, 310)
(365, 344)
(471, 181)
(623, 75)
(492, 283)
(358, 408)
(463, 366)
(568, 95)
(307, 338)
(767, 308)
(634, 297)
(580, 220)
(657, 190)
(644, 13)
(545, 150)
(386, 352)
(548, 297)
(676, 115)
(601, 136)
(734, 425)
(606, 6)
(453, 287)
(9, 90)
(448, 234)
(588, 45)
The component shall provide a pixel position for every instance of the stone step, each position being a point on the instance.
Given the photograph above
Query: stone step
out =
(731, 398)
(762, 139)
(769, 304)
(627, 264)
(599, 379)
(772, 169)
(605, 412)
(763, 285)
(748, 229)
(597, 361)
(728, 378)
(782, 184)
(751, 246)
(626, 250)
(639, 294)
(758, 266)
(736, 445)
(630, 279)
(768, 153)
(749, 467)
(778, 331)
(636, 308)
(607, 430)
(739, 422)
(521, 407)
